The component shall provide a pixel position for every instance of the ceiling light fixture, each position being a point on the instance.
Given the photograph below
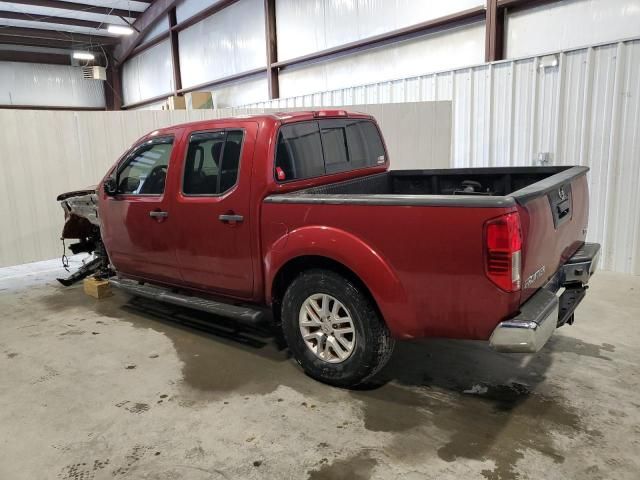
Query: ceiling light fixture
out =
(120, 29)
(83, 56)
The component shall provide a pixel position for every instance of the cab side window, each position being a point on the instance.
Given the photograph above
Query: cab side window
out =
(144, 172)
(212, 163)
(312, 149)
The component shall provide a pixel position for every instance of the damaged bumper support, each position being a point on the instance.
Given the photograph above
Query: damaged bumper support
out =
(83, 223)
(545, 311)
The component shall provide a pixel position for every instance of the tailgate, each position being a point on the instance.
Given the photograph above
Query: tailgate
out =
(554, 214)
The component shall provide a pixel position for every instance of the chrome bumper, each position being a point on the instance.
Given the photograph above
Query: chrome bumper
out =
(545, 311)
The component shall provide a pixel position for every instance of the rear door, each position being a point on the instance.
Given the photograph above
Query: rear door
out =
(138, 222)
(554, 225)
(213, 209)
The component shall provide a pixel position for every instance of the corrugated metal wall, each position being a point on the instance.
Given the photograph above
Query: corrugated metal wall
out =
(583, 111)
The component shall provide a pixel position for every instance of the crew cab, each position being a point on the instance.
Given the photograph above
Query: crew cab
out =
(296, 218)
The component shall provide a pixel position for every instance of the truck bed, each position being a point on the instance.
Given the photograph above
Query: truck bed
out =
(498, 187)
(427, 226)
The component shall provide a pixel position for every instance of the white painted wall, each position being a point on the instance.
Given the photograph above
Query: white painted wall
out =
(45, 153)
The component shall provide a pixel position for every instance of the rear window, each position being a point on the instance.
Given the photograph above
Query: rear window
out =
(311, 149)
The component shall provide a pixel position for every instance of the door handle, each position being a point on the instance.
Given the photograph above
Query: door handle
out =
(158, 214)
(230, 217)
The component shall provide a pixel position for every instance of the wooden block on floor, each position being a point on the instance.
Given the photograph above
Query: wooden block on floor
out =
(97, 288)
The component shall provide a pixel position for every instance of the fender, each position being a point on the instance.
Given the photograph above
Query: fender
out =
(350, 251)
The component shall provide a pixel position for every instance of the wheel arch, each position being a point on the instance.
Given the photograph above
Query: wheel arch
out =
(295, 266)
(343, 253)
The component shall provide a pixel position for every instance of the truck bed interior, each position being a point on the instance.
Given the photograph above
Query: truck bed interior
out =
(460, 181)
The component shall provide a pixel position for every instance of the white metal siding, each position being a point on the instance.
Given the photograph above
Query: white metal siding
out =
(584, 111)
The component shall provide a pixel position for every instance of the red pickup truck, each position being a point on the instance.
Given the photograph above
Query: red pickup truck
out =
(298, 214)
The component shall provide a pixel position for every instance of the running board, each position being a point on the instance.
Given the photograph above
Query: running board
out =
(238, 312)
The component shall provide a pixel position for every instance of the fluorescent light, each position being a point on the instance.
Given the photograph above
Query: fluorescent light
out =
(83, 56)
(120, 29)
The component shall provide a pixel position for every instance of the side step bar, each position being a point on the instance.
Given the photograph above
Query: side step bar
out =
(241, 313)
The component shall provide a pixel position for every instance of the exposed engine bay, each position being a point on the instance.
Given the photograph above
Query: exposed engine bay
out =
(82, 223)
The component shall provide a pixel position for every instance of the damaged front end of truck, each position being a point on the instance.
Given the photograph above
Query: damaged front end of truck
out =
(82, 223)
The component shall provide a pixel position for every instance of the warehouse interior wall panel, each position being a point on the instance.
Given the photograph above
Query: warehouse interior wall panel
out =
(188, 8)
(575, 107)
(440, 51)
(50, 85)
(148, 74)
(230, 42)
(313, 25)
(61, 151)
(158, 28)
(570, 24)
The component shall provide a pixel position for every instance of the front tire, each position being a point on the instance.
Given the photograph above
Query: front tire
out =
(333, 329)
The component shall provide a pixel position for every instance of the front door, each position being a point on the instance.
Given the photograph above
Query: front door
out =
(213, 209)
(138, 224)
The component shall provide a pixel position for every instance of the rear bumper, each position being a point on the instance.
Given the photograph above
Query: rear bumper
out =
(545, 311)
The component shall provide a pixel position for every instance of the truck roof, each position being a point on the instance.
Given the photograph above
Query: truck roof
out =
(280, 117)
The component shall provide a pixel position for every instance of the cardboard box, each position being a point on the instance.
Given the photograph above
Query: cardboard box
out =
(174, 103)
(199, 100)
(97, 288)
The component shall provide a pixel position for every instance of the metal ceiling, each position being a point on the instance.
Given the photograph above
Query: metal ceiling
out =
(65, 24)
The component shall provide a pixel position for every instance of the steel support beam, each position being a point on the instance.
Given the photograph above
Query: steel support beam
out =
(272, 48)
(142, 25)
(181, 26)
(221, 81)
(514, 5)
(33, 42)
(77, 7)
(494, 32)
(35, 57)
(207, 12)
(113, 86)
(175, 50)
(142, 103)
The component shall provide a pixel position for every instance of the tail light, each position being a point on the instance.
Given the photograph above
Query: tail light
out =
(503, 244)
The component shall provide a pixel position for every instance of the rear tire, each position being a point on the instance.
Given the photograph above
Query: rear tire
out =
(327, 354)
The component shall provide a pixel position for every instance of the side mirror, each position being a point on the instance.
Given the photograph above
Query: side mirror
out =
(110, 186)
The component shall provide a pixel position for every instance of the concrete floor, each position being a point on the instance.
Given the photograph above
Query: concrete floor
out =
(128, 389)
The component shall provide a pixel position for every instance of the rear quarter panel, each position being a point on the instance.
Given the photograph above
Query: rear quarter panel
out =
(437, 286)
